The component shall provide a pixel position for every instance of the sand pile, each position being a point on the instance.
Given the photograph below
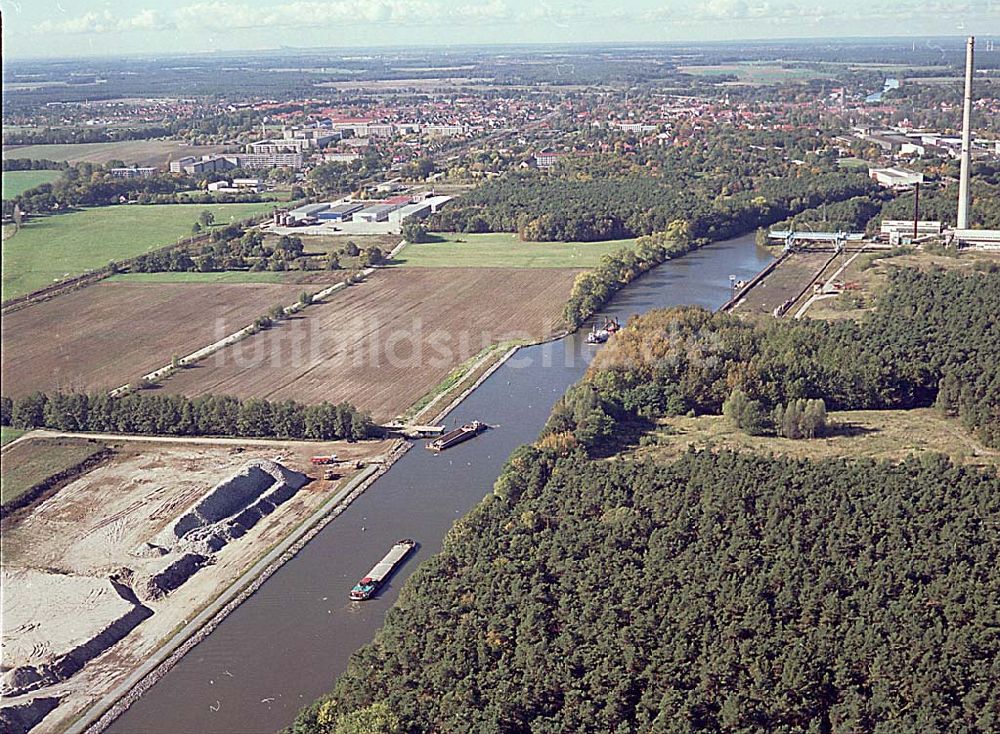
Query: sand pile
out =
(232, 507)
(174, 569)
(42, 648)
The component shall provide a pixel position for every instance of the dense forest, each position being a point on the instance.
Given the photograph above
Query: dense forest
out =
(176, 415)
(722, 185)
(722, 593)
(934, 339)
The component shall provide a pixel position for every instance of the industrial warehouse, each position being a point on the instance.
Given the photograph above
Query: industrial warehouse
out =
(358, 216)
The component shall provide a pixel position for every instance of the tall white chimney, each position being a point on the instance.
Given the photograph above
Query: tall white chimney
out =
(963, 184)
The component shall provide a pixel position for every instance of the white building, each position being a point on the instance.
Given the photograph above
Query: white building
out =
(895, 178)
(444, 131)
(133, 172)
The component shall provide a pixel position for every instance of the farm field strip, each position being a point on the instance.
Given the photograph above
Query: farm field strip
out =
(505, 250)
(100, 337)
(141, 152)
(62, 245)
(383, 344)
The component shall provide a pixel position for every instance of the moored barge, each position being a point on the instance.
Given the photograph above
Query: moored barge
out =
(452, 438)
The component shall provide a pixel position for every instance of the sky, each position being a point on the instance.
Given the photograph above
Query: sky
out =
(59, 28)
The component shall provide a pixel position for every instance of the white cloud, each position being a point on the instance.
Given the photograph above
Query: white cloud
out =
(239, 15)
(104, 22)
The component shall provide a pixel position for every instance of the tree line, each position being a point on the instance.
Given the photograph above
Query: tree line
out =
(594, 288)
(69, 135)
(176, 415)
(233, 248)
(32, 164)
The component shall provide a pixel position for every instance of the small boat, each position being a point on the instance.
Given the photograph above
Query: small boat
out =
(382, 570)
(597, 336)
(611, 325)
(457, 436)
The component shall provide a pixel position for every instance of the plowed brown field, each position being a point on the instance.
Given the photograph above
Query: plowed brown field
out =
(383, 344)
(103, 336)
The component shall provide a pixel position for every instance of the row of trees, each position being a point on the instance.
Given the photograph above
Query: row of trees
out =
(237, 249)
(32, 164)
(594, 288)
(175, 415)
(80, 134)
(723, 593)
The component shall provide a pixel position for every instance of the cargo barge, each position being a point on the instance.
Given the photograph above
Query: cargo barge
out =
(382, 570)
(453, 438)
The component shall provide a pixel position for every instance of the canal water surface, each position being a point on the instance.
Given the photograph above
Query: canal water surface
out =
(288, 642)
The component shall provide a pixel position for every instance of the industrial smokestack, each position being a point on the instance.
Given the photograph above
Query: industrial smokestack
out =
(963, 184)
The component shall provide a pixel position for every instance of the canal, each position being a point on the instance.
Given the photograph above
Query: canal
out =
(288, 642)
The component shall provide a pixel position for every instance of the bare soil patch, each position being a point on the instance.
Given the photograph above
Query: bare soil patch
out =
(60, 560)
(109, 334)
(785, 282)
(384, 343)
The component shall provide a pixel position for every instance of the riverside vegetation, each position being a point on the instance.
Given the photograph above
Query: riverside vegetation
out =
(719, 592)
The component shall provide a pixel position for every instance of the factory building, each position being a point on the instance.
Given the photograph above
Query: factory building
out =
(895, 178)
(900, 231)
(238, 185)
(377, 213)
(437, 202)
(309, 211)
(206, 164)
(340, 212)
(420, 210)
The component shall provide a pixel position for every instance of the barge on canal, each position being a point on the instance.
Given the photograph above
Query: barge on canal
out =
(382, 570)
(453, 438)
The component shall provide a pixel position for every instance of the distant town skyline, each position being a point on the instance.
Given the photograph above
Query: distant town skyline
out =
(59, 28)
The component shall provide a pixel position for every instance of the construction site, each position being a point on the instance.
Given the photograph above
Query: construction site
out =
(100, 574)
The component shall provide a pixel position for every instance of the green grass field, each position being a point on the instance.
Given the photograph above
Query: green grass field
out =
(8, 434)
(505, 250)
(758, 74)
(35, 460)
(854, 164)
(17, 182)
(50, 248)
(232, 276)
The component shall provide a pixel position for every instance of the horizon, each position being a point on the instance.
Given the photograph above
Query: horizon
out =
(540, 45)
(69, 29)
